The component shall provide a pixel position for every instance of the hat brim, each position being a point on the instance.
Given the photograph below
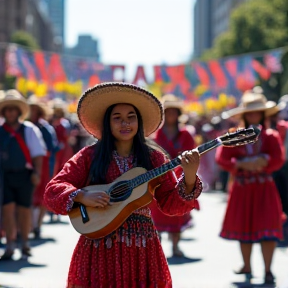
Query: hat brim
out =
(176, 105)
(45, 110)
(279, 107)
(239, 111)
(23, 106)
(95, 101)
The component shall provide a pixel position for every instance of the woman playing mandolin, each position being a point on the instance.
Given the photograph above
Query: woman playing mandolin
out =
(120, 115)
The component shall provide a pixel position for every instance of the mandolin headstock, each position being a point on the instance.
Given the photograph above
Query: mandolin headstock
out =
(241, 136)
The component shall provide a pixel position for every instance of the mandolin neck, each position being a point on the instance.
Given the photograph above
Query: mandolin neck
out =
(156, 172)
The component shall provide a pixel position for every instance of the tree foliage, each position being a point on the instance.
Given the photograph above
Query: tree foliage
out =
(25, 39)
(254, 25)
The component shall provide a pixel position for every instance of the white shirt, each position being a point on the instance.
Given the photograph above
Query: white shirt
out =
(34, 140)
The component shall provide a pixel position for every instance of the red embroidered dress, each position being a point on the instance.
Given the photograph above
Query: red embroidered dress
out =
(254, 209)
(182, 142)
(132, 255)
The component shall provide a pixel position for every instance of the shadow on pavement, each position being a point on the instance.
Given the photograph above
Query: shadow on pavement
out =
(187, 239)
(250, 285)
(15, 266)
(59, 221)
(181, 260)
(40, 241)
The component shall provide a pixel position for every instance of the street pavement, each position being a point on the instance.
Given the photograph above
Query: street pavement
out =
(209, 261)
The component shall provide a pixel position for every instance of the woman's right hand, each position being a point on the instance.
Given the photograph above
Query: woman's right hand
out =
(93, 199)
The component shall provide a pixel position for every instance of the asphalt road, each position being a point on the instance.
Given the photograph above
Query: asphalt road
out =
(209, 261)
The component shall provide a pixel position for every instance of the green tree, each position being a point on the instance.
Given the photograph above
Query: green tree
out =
(25, 39)
(254, 26)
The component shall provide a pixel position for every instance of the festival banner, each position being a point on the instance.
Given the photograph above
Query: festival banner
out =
(54, 75)
(215, 84)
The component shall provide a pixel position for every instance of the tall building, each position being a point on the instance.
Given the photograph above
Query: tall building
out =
(202, 27)
(54, 10)
(86, 47)
(211, 18)
(25, 15)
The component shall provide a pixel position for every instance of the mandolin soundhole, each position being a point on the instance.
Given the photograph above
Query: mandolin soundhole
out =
(120, 191)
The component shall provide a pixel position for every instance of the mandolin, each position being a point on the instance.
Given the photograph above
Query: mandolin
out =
(132, 191)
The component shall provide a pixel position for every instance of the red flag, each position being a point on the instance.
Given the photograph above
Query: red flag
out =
(202, 74)
(41, 65)
(56, 69)
(217, 73)
(263, 72)
(140, 75)
(231, 66)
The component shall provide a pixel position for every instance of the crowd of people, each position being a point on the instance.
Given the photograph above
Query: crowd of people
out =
(42, 150)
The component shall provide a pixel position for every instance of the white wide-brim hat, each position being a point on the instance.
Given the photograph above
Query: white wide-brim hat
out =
(251, 102)
(14, 98)
(96, 100)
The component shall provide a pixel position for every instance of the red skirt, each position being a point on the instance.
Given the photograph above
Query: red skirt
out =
(253, 212)
(121, 266)
(40, 189)
(166, 223)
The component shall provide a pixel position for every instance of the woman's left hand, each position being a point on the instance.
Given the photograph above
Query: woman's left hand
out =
(190, 162)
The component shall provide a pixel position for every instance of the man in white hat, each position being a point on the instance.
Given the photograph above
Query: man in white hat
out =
(21, 150)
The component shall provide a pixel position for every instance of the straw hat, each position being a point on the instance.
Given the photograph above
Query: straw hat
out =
(252, 101)
(13, 97)
(95, 101)
(171, 101)
(33, 100)
(58, 106)
(2, 94)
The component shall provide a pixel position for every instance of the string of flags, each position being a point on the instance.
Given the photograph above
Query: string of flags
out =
(202, 85)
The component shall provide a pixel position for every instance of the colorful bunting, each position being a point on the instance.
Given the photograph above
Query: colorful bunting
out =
(202, 85)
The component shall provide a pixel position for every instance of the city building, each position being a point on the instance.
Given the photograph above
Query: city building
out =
(211, 18)
(86, 47)
(54, 11)
(202, 26)
(27, 16)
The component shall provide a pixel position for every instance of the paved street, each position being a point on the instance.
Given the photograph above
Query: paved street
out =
(209, 264)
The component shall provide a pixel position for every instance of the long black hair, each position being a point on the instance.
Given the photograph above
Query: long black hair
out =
(105, 146)
(262, 121)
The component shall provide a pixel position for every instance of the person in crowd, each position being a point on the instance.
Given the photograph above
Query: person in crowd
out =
(174, 140)
(39, 112)
(22, 149)
(280, 176)
(254, 208)
(62, 127)
(79, 137)
(119, 115)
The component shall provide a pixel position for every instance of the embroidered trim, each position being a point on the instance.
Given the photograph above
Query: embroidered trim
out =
(247, 178)
(70, 201)
(135, 231)
(194, 193)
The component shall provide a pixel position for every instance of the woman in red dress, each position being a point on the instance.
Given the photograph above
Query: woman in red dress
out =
(62, 127)
(119, 115)
(254, 209)
(174, 140)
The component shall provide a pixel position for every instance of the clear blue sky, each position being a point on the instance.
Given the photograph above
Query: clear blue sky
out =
(134, 32)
